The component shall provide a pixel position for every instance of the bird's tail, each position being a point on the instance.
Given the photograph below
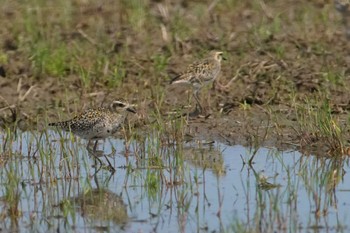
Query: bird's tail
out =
(175, 79)
(61, 124)
(55, 123)
(179, 79)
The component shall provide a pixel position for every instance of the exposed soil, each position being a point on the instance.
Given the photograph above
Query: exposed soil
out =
(306, 58)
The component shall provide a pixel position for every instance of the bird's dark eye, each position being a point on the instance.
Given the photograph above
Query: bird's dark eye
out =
(119, 104)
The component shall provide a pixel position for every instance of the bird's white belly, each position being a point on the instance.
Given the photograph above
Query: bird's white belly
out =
(97, 133)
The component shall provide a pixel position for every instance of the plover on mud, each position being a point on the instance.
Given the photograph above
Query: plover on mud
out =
(200, 73)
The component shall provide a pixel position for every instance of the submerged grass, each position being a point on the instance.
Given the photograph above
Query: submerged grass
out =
(158, 169)
(318, 126)
(320, 176)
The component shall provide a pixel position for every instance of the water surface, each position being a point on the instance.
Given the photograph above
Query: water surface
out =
(50, 183)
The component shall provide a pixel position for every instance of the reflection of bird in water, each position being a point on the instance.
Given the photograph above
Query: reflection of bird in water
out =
(96, 124)
(101, 205)
(206, 158)
(200, 73)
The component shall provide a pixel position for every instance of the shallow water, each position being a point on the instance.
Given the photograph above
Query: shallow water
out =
(187, 188)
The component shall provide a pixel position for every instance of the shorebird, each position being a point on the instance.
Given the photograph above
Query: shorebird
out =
(97, 124)
(201, 73)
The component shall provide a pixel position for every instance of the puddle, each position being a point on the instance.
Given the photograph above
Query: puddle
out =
(202, 188)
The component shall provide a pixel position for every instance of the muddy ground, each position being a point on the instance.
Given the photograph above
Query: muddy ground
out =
(57, 59)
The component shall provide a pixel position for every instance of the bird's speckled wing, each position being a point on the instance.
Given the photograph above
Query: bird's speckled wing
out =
(85, 121)
(88, 119)
(199, 72)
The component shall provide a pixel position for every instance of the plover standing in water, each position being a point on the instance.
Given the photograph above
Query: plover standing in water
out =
(200, 73)
(96, 124)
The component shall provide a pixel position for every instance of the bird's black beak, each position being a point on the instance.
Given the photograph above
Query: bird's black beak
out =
(129, 109)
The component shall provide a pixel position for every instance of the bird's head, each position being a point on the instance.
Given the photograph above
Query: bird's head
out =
(120, 105)
(217, 55)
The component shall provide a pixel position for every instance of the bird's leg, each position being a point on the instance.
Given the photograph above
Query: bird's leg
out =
(111, 168)
(93, 152)
(198, 105)
(88, 147)
(198, 109)
(95, 146)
